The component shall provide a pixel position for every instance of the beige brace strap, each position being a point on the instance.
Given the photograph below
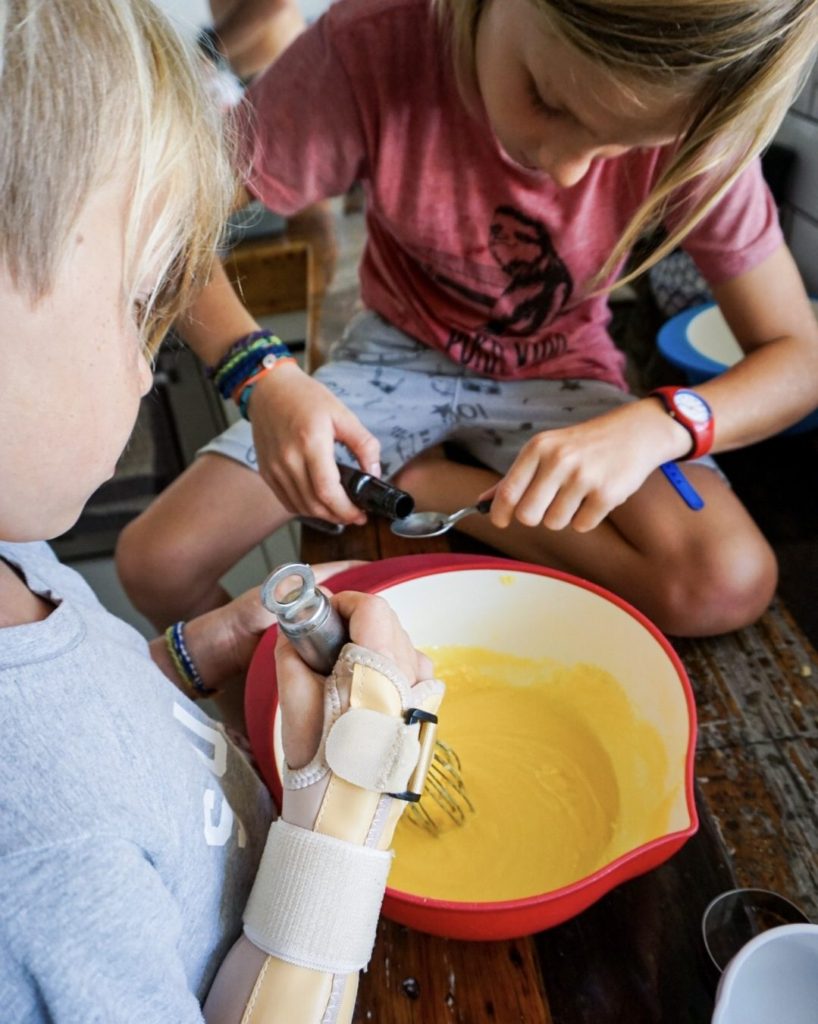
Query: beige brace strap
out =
(316, 900)
(333, 922)
(373, 750)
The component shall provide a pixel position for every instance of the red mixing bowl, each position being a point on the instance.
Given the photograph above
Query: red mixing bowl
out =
(529, 611)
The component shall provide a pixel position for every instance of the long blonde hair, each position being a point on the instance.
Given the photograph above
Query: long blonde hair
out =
(88, 90)
(742, 62)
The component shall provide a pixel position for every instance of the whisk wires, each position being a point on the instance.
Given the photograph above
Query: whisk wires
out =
(444, 802)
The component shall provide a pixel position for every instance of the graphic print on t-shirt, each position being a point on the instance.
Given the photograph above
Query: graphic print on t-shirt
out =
(539, 286)
(212, 749)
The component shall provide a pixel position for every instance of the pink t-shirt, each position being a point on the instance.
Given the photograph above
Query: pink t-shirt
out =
(466, 251)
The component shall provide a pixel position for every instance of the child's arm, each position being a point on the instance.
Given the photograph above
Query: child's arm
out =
(238, 28)
(343, 827)
(576, 475)
(296, 420)
(769, 312)
(310, 922)
(222, 641)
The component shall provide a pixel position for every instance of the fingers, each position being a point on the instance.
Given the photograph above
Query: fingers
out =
(425, 668)
(328, 499)
(306, 480)
(250, 614)
(545, 498)
(373, 624)
(487, 495)
(570, 477)
(511, 490)
(332, 501)
(590, 514)
(295, 429)
(364, 446)
(301, 699)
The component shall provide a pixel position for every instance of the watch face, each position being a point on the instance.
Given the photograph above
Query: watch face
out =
(692, 406)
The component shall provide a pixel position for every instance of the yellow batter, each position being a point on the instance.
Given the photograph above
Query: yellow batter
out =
(562, 773)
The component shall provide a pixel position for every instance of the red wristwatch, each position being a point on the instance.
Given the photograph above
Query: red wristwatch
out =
(695, 415)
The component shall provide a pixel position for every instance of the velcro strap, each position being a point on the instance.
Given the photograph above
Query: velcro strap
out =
(316, 900)
(373, 750)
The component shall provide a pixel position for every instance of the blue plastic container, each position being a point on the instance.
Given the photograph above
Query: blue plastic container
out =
(701, 344)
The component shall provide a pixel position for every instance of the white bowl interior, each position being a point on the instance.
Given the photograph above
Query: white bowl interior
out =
(774, 977)
(709, 334)
(534, 616)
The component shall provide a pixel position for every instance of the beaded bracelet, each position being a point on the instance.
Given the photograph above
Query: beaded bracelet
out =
(244, 359)
(241, 396)
(183, 663)
(229, 382)
(242, 354)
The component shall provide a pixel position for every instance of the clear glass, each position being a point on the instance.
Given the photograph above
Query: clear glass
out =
(738, 915)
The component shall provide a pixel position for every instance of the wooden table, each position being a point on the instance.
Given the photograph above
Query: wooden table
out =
(636, 957)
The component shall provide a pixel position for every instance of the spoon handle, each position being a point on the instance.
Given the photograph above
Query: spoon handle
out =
(482, 506)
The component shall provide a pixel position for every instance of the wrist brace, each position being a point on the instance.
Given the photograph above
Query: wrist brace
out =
(318, 891)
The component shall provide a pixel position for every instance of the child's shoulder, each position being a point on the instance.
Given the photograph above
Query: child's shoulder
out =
(44, 573)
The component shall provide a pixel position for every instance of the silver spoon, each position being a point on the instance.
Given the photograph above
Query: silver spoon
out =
(432, 524)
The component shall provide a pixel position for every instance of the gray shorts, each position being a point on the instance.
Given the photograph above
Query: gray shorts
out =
(412, 397)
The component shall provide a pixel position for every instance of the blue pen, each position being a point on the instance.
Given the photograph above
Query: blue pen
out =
(688, 493)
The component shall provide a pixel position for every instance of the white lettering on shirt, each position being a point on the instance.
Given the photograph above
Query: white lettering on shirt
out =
(217, 827)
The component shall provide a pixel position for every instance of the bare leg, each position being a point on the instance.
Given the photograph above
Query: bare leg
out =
(693, 573)
(171, 558)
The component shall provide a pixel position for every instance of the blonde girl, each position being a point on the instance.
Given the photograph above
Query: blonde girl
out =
(132, 827)
(513, 151)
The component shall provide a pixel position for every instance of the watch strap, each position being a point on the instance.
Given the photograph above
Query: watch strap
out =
(701, 432)
(684, 488)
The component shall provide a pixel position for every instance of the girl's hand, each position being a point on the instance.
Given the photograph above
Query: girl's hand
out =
(577, 475)
(222, 642)
(296, 422)
(372, 624)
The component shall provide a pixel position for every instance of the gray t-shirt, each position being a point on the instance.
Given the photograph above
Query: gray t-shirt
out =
(130, 826)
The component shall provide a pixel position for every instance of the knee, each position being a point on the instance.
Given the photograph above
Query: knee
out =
(717, 590)
(153, 566)
(422, 472)
(410, 477)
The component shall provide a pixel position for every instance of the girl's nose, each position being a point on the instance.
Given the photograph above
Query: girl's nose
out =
(566, 171)
(569, 167)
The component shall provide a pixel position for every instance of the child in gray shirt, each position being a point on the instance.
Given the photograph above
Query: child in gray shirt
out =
(131, 827)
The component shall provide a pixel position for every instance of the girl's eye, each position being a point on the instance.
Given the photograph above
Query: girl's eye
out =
(539, 103)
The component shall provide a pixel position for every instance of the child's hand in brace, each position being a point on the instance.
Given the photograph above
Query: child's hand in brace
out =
(350, 743)
(373, 625)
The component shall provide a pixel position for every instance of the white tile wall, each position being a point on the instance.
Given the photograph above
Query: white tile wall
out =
(800, 214)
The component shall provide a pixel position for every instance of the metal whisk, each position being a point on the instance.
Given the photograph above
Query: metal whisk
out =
(308, 619)
(445, 786)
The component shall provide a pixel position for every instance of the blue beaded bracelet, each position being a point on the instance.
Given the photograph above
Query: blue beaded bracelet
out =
(183, 663)
(261, 359)
(241, 353)
(244, 359)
